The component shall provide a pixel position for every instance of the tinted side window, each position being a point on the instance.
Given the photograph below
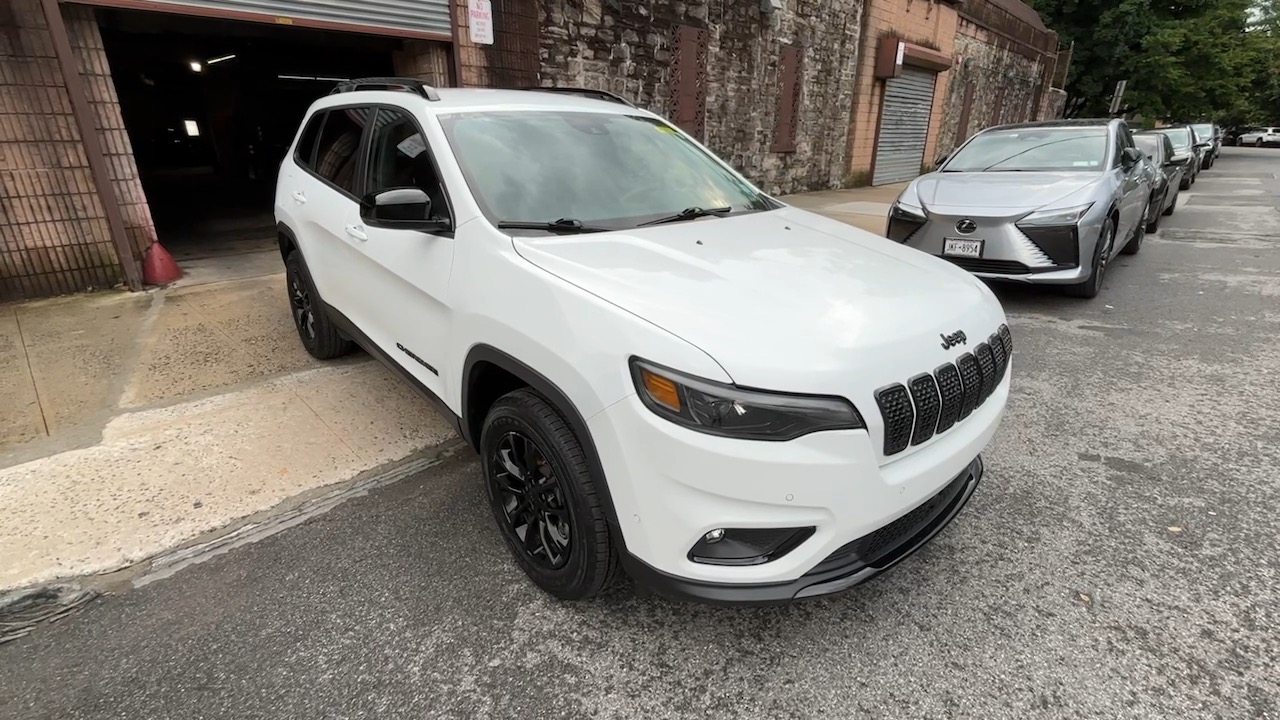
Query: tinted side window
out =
(307, 144)
(339, 147)
(399, 157)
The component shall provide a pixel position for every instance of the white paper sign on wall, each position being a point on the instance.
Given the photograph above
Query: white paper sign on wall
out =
(480, 21)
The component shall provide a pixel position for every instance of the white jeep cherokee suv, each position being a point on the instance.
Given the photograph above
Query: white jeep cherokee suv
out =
(664, 370)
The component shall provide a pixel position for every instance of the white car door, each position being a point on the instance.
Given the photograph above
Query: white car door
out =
(407, 271)
(323, 194)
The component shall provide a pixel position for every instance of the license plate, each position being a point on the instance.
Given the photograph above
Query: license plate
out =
(960, 247)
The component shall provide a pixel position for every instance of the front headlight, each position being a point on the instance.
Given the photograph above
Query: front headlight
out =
(728, 411)
(906, 211)
(1069, 216)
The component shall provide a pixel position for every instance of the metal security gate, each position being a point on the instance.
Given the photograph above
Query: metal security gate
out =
(421, 18)
(904, 126)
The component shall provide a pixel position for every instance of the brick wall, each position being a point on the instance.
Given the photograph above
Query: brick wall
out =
(425, 60)
(923, 22)
(630, 48)
(1004, 83)
(54, 237)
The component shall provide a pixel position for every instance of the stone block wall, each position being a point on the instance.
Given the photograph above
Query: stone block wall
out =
(54, 237)
(631, 48)
(991, 83)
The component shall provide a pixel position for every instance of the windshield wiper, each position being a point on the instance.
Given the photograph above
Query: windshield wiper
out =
(689, 214)
(563, 225)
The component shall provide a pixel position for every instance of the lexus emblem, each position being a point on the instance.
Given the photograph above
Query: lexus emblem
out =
(966, 226)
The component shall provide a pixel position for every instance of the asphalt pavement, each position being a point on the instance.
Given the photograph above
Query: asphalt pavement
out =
(1120, 559)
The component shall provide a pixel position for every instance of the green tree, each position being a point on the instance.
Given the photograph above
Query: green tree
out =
(1182, 60)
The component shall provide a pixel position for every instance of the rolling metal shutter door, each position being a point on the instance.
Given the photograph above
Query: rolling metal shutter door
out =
(422, 16)
(904, 126)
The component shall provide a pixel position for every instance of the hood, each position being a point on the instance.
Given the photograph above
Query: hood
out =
(782, 300)
(1005, 190)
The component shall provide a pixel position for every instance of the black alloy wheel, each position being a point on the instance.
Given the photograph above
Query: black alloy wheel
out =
(544, 497)
(532, 500)
(304, 317)
(316, 331)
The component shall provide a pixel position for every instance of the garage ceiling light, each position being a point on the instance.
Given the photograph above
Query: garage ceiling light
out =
(196, 66)
(214, 61)
(192, 127)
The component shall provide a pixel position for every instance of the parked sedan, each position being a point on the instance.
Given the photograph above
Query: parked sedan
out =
(1048, 202)
(1186, 149)
(1167, 170)
(1210, 133)
(1260, 137)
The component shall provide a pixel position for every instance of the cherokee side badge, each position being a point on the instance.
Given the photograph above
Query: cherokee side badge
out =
(954, 339)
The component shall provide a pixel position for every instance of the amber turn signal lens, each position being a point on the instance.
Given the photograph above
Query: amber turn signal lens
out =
(662, 390)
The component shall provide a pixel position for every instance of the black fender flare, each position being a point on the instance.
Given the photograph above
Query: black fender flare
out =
(559, 400)
(285, 230)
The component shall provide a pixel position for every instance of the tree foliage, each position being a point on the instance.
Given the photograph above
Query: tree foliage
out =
(1188, 60)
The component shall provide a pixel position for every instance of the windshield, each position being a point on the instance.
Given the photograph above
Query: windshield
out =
(1149, 144)
(1204, 131)
(604, 170)
(1181, 137)
(1031, 149)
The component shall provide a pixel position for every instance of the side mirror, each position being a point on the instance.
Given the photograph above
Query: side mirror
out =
(1131, 157)
(937, 163)
(406, 208)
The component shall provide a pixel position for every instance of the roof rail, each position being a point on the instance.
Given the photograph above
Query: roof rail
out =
(387, 83)
(585, 92)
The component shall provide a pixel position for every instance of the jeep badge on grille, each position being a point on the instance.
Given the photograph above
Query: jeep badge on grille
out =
(954, 339)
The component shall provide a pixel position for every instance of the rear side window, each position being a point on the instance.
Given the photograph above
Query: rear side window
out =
(306, 152)
(339, 146)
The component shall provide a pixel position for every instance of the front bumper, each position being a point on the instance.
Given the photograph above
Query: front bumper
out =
(671, 486)
(1049, 255)
(854, 563)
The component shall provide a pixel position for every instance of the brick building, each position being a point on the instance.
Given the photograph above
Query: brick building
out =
(127, 121)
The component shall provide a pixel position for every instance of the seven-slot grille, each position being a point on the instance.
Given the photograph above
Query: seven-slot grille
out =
(932, 404)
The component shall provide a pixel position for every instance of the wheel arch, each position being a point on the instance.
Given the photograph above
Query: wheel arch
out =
(481, 387)
(286, 240)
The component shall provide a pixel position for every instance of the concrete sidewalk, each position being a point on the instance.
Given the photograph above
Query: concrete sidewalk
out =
(132, 423)
(866, 208)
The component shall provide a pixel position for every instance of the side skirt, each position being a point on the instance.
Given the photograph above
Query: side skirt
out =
(349, 329)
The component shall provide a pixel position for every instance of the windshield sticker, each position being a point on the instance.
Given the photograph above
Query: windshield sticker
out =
(665, 129)
(1083, 163)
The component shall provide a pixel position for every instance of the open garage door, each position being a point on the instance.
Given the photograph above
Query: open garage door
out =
(404, 18)
(211, 107)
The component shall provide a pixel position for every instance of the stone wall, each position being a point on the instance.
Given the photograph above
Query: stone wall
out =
(54, 237)
(631, 48)
(992, 82)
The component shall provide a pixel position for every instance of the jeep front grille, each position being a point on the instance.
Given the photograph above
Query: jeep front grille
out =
(931, 404)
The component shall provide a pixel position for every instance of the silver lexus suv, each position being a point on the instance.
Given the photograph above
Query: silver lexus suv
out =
(1048, 202)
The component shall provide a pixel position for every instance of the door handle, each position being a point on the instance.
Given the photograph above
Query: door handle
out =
(299, 198)
(357, 232)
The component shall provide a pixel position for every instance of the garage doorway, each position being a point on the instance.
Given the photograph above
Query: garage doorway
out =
(211, 107)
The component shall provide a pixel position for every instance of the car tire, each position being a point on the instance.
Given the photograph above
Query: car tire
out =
(1153, 224)
(538, 479)
(317, 332)
(1257, 143)
(1093, 284)
(1134, 243)
(1173, 205)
